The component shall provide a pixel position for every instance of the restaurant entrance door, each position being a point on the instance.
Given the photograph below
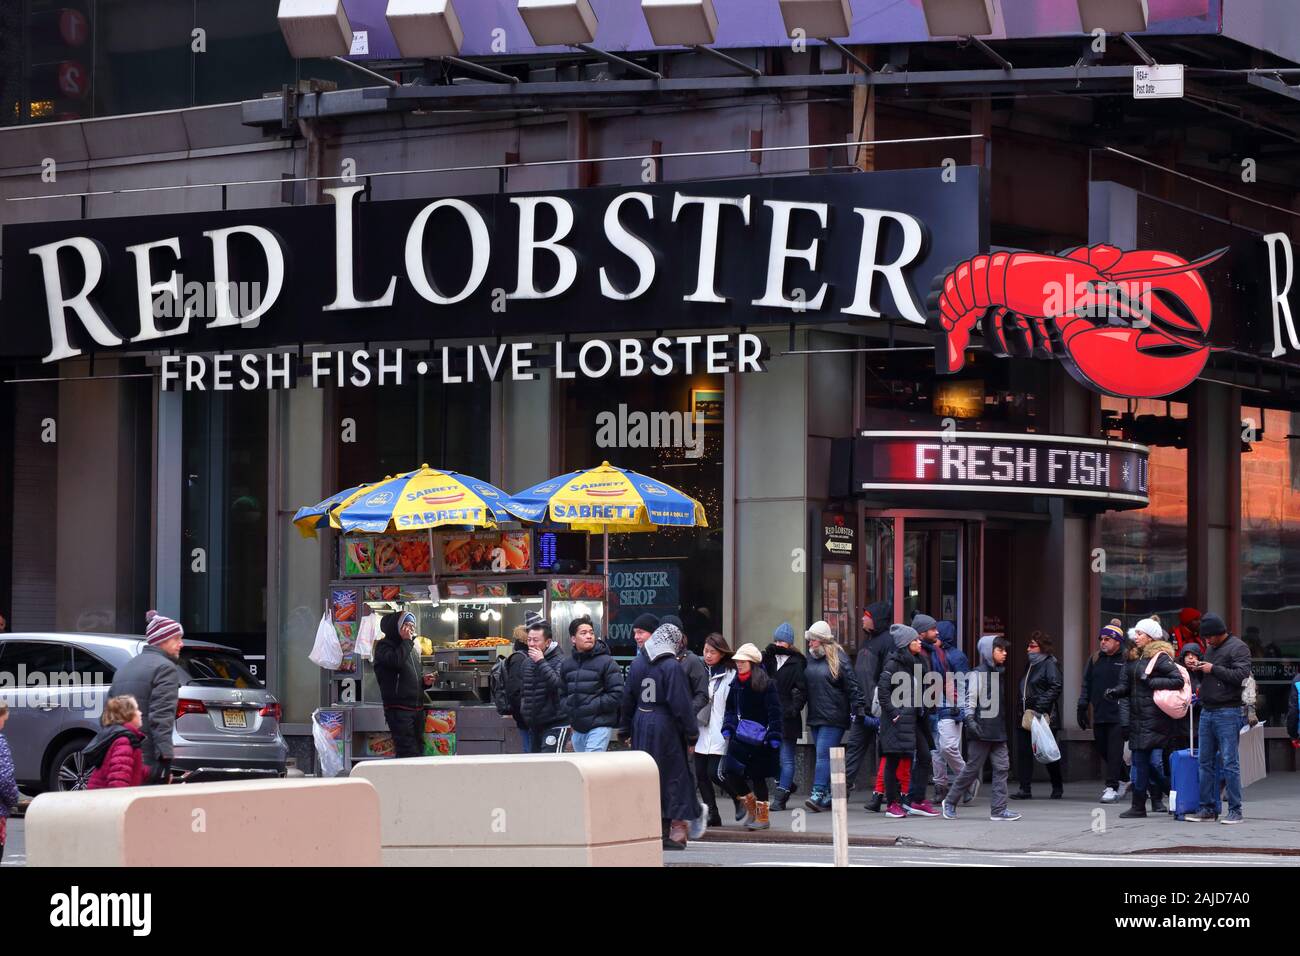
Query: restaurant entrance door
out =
(941, 554)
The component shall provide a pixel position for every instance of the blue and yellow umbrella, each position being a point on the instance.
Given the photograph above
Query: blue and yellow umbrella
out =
(420, 500)
(608, 500)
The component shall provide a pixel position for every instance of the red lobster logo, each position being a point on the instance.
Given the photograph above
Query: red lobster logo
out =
(1096, 308)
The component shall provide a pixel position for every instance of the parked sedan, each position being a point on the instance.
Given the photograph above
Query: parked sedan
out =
(56, 683)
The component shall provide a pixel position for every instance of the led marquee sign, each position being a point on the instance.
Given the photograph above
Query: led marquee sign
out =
(1001, 463)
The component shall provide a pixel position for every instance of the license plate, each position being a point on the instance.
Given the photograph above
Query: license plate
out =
(234, 718)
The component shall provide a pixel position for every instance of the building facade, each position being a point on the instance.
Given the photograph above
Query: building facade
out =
(1026, 473)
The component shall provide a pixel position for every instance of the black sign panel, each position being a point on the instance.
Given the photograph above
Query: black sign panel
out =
(1112, 471)
(839, 537)
(632, 258)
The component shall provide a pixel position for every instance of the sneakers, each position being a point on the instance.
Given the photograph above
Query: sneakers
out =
(896, 811)
(1201, 816)
(817, 803)
(949, 811)
(922, 808)
(972, 792)
(1005, 816)
(1234, 816)
(940, 793)
(1022, 795)
(1109, 795)
(700, 825)
(875, 803)
(1124, 787)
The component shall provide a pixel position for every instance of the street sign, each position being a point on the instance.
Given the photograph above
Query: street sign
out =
(1158, 82)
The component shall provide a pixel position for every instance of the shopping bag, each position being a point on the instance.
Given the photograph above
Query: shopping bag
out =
(1045, 748)
(328, 758)
(367, 634)
(1251, 754)
(326, 652)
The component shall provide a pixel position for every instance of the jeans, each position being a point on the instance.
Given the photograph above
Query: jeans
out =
(788, 748)
(1218, 731)
(979, 751)
(948, 754)
(1149, 772)
(526, 739)
(825, 738)
(593, 741)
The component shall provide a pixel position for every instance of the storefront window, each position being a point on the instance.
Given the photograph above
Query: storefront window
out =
(224, 502)
(396, 428)
(646, 425)
(1146, 549)
(989, 394)
(1270, 556)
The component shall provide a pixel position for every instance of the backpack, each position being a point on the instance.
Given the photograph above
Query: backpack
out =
(497, 680)
(1175, 703)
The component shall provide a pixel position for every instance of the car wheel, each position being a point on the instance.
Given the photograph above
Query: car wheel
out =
(68, 770)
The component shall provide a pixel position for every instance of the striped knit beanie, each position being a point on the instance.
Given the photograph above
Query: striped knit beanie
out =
(159, 628)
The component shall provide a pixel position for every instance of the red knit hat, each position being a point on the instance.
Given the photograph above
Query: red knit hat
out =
(159, 628)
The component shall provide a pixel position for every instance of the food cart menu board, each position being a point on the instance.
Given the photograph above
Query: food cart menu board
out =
(498, 552)
(385, 555)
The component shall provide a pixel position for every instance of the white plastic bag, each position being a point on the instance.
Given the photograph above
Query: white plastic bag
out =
(326, 652)
(1045, 749)
(1251, 754)
(367, 634)
(328, 758)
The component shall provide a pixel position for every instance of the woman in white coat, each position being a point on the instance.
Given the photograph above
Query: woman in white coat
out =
(712, 746)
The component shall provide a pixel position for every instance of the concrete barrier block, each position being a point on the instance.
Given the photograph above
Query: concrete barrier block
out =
(519, 809)
(290, 822)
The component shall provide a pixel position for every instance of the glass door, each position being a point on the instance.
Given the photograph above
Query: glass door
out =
(940, 557)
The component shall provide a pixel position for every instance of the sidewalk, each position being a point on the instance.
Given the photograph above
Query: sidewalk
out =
(1078, 823)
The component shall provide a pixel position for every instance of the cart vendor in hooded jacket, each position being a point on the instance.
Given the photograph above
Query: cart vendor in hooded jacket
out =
(401, 684)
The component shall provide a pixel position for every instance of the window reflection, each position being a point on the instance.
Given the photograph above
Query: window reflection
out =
(1270, 555)
(1146, 549)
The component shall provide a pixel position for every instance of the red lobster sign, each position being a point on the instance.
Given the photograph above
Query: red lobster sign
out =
(1132, 324)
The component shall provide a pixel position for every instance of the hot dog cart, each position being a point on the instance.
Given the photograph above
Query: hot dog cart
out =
(468, 591)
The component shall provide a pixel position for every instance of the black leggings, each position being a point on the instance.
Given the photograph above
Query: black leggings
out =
(739, 786)
(706, 778)
(920, 776)
(1025, 762)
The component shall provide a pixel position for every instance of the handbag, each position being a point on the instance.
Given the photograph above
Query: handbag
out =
(751, 732)
(1175, 703)
(1045, 748)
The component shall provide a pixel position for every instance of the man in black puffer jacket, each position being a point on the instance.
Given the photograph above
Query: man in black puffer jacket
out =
(539, 702)
(593, 689)
(1102, 672)
(398, 672)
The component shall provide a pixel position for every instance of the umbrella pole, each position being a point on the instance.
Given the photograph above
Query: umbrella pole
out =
(433, 567)
(606, 578)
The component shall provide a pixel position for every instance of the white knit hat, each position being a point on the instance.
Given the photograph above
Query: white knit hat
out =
(820, 631)
(1150, 628)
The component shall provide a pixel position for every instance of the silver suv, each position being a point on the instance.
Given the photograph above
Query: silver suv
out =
(56, 684)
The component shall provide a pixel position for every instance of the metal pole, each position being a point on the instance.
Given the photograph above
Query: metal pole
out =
(729, 60)
(607, 572)
(839, 808)
(618, 61)
(388, 80)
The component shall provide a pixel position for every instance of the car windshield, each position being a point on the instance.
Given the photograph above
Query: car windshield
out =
(217, 669)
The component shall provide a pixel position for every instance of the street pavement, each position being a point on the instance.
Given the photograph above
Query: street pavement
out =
(1079, 823)
(705, 853)
(1051, 833)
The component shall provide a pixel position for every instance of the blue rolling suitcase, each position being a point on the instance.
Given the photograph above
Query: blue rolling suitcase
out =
(1184, 768)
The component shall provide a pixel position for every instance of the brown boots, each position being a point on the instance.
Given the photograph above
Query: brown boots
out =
(761, 820)
(749, 804)
(676, 838)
